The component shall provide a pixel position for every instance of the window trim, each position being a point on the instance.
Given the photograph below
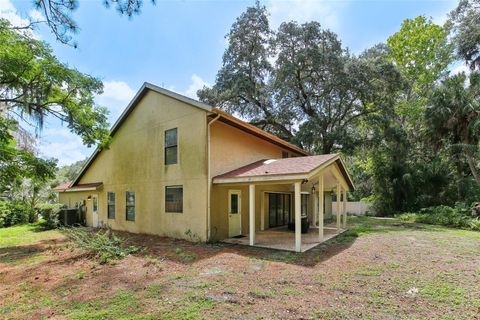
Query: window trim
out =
(129, 206)
(165, 147)
(111, 205)
(173, 187)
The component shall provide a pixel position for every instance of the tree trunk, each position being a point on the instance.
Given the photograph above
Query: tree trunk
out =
(473, 169)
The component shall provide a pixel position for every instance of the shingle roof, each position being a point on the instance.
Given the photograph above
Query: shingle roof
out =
(78, 187)
(62, 186)
(296, 165)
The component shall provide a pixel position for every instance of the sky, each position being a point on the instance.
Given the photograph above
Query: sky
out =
(178, 44)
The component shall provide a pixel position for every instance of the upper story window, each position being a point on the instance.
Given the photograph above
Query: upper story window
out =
(171, 146)
(284, 154)
(130, 206)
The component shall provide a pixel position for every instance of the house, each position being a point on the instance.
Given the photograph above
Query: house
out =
(177, 167)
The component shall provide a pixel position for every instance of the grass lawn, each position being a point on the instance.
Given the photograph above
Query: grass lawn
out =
(379, 269)
(24, 235)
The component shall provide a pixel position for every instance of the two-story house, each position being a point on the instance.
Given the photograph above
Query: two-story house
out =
(180, 168)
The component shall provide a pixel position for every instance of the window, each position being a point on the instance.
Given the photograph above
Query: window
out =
(174, 199)
(130, 206)
(304, 202)
(95, 204)
(234, 203)
(171, 148)
(111, 205)
(284, 154)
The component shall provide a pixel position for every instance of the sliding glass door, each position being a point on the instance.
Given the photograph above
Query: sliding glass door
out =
(278, 209)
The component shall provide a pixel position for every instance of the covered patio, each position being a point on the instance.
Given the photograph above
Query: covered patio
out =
(281, 238)
(306, 180)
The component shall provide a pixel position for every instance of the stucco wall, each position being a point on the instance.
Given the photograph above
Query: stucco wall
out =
(231, 148)
(135, 162)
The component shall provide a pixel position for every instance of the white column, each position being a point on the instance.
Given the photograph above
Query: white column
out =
(298, 218)
(338, 215)
(320, 207)
(251, 213)
(262, 210)
(344, 208)
(314, 209)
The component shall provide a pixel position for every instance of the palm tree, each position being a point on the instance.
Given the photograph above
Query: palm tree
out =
(453, 118)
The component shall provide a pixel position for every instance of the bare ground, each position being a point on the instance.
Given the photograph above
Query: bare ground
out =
(380, 269)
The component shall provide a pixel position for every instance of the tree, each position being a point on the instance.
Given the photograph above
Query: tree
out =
(404, 171)
(314, 92)
(324, 89)
(464, 24)
(16, 164)
(243, 84)
(34, 85)
(70, 172)
(422, 54)
(453, 118)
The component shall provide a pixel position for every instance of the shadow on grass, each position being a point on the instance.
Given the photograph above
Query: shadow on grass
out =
(188, 253)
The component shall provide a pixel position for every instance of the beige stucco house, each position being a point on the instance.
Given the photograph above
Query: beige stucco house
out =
(180, 168)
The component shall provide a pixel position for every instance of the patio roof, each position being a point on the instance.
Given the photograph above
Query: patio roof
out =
(296, 168)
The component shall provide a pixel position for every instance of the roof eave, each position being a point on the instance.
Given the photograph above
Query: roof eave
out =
(265, 178)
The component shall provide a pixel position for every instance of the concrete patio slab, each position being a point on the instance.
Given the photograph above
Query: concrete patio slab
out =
(283, 239)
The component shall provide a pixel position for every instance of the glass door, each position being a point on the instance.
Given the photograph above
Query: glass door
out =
(278, 209)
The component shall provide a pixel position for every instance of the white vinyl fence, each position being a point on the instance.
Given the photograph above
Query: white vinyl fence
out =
(357, 208)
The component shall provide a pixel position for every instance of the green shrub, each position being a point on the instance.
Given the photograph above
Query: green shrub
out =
(457, 217)
(49, 212)
(408, 217)
(103, 244)
(16, 212)
(475, 224)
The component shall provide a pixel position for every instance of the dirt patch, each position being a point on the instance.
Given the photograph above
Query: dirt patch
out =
(380, 274)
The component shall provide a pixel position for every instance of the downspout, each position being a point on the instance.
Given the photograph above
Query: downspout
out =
(209, 179)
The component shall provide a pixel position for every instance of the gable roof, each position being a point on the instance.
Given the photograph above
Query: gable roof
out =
(288, 168)
(224, 117)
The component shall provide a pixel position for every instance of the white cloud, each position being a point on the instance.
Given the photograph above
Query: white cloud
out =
(116, 96)
(36, 15)
(9, 12)
(325, 12)
(63, 145)
(196, 84)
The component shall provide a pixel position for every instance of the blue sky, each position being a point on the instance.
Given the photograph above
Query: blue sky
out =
(179, 44)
